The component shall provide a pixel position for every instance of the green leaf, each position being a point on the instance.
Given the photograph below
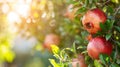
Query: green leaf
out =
(86, 2)
(104, 58)
(76, 3)
(55, 49)
(115, 1)
(52, 61)
(71, 1)
(74, 47)
(95, 1)
(108, 36)
(97, 63)
(84, 52)
(118, 61)
(114, 55)
(110, 9)
(118, 43)
(109, 24)
(103, 27)
(118, 28)
(69, 52)
(81, 10)
(114, 65)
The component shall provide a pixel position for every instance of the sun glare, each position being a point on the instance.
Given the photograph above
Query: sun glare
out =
(15, 11)
(5, 8)
(13, 17)
(22, 9)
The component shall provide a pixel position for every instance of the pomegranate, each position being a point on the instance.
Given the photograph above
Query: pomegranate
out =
(92, 19)
(51, 39)
(97, 46)
(80, 61)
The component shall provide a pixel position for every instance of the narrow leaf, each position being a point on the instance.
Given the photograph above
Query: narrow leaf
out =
(97, 63)
(114, 65)
(52, 61)
(55, 49)
(108, 36)
(81, 10)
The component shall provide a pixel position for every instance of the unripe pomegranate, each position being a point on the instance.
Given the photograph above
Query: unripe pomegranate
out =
(97, 46)
(80, 61)
(51, 39)
(92, 19)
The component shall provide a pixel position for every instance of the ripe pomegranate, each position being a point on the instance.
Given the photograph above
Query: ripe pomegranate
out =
(97, 46)
(51, 39)
(92, 19)
(80, 61)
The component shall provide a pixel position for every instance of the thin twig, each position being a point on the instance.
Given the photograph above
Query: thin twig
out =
(116, 11)
(106, 3)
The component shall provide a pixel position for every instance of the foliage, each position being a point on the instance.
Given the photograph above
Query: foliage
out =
(5, 43)
(110, 30)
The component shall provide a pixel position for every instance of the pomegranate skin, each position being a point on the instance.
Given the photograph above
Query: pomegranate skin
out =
(80, 61)
(98, 46)
(92, 19)
(51, 39)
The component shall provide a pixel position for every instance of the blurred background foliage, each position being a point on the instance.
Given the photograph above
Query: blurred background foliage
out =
(23, 26)
(25, 23)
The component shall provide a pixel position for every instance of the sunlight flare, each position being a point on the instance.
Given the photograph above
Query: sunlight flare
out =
(13, 17)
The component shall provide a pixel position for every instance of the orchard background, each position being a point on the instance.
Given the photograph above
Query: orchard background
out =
(50, 33)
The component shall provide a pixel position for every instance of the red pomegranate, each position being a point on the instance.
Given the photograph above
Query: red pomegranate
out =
(80, 61)
(98, 46)
(92, 19)
(51, 39)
